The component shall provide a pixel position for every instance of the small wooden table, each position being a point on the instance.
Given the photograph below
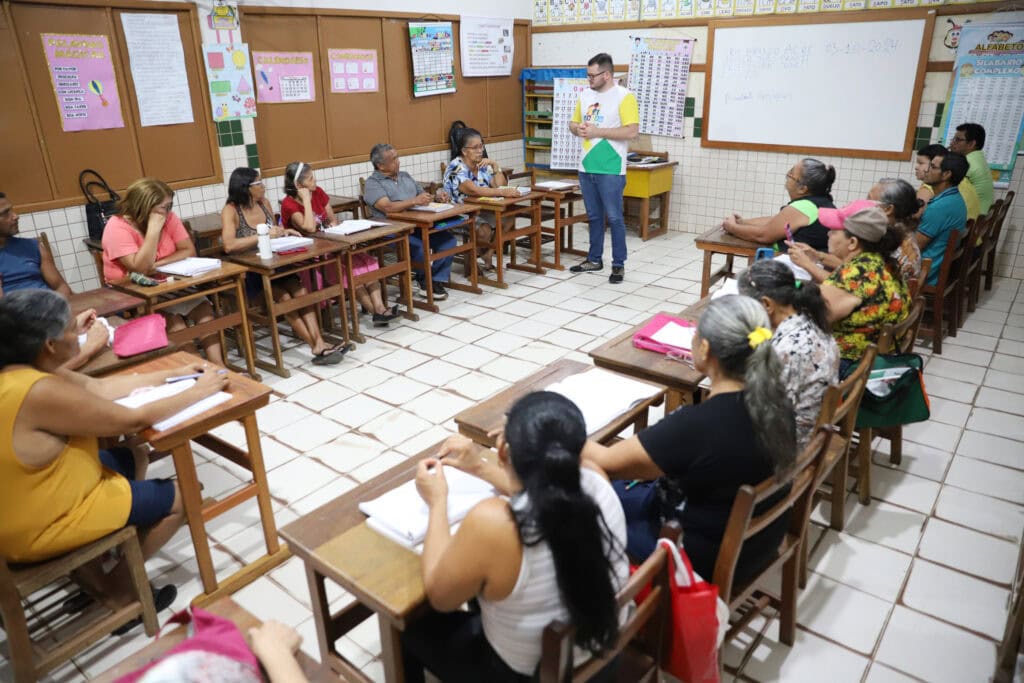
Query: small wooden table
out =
(320, 253)
(510, 207)
(228, 279)
(424, 222)
(477, 422)
(563, 205)
(247, 396)
(680, 377)
(376, 239)
(106, 300)
(646, 182)
(718, 241)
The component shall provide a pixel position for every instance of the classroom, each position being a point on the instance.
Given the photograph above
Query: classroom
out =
(423, 260)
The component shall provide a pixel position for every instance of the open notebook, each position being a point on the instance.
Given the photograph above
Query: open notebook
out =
(433, 207)
(141, 397)
(350, 226)
(190, 267)
(401, 515)
(602, 395)
(279, 244)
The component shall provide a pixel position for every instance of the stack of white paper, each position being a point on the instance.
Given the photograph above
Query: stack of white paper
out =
(674, 334)
(350, 226)
(401, 515)
(190, 267)
(279, 244)
(557, 185)
(141, 397)
(433, 207)
(729, 286)
(798, 272)
(602, 396)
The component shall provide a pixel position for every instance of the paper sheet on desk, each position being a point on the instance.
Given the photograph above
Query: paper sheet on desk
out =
(190, 267)
(798, 272)
(102, 322)
(557, 185)
(602, 395)
(141, 398)
(350, 226)
(434, 207)
(290, 242)
(729, 286)
(674, 334)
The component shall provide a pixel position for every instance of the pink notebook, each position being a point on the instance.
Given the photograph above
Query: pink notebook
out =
(663, 335)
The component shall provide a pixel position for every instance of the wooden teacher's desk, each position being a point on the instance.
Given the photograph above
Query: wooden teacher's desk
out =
(718, 241)
(246, 397)
(424, 222)
(645, 182)
(321, 253)
(528, 205)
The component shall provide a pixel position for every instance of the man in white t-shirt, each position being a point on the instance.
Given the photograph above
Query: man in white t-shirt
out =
(607, 118)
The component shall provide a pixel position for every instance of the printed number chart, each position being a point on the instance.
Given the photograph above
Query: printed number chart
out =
(433, 58)
(659, 70)
(566, 148)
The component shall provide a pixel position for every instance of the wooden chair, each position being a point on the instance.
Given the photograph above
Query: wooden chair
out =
(914, 284)
(747, 600)
(641, 637)
(969, 278)
(940, 295)
(898, 339)
(1012, 644)
(32, 658)
(989, 269)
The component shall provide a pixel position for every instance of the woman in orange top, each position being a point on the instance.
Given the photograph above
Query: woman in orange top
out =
(58, 490)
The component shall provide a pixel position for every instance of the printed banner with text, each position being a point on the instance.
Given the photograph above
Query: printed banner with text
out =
(283, 77)
(83, 80)
(353, 71)
(486, 46)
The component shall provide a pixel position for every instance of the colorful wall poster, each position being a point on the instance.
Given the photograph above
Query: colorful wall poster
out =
(83, 80)
(540, 12)
(601, 10)
(231, 86)
(649, 10)
(723, 8)
(616, 10)
(684, 9)
(659, 70)
(809, 6)
(566, 148)
(433, 58)
(764, 6)
(988, 88)
(486, 46)
(785, 6)
(743, 8)
(632, 10)
(157, 61)
(353, 70)
(668, 9)
(554, 11)
(283, 77)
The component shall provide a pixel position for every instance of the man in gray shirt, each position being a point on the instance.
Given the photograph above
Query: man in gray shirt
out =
(389, 190)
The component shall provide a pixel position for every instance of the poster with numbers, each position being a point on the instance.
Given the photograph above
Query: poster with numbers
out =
(566, 148)
(433, 58)
(659, 69)
(988, 88)
(283, 77)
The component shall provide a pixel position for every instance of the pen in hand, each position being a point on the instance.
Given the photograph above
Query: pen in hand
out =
(195, 375)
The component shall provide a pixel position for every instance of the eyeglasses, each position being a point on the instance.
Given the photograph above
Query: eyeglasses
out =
(167, 206)
(593, 76)
(959, 139)
(474, 147)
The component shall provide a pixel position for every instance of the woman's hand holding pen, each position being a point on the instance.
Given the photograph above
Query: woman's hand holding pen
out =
(430, 482)
(461, 453)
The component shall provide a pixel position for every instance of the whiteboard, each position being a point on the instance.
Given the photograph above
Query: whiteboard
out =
(843, 86)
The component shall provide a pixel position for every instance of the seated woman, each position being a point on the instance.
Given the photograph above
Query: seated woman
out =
(866, 291)
(474, 175)
(145, 234)
(247, 207)
(802, 338)
(307, 209)
(550, 546)
(58, 490)
(897, 198)
(809, 185)
(699, 456)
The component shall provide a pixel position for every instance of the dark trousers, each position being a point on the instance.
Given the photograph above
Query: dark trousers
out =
(453, 647)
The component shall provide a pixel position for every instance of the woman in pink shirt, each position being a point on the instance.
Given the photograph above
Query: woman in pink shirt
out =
(146, 234)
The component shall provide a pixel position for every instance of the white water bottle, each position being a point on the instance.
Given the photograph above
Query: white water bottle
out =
(263, 241)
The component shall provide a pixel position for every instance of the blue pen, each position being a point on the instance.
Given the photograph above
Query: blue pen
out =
(182, 378)
(632, 484)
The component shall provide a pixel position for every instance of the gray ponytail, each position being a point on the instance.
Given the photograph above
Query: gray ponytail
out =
(726, 324)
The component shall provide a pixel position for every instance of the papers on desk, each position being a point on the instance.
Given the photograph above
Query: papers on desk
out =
(279, 244)
(798, 272)
(729, 286)
(401, 515)
(674, 334)
(102, 322)
(190, 267)
(433, 207)
(602, 395)
(141, 397)
(557, 185)
(523, 191)
(350, 226)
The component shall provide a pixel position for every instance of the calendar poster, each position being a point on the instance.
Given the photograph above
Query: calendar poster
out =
(433, 58)
(353, 71)
(988, 88)
(566, 148)
(659, 69)
(283, 77)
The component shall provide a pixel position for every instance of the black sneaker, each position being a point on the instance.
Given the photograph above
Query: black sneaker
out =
(616, 276)
(420, 289)
(440, 293)
(587, 267)
(162, 599)
(381, 319)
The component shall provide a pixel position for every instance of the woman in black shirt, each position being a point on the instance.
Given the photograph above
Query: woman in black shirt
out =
(743, 433)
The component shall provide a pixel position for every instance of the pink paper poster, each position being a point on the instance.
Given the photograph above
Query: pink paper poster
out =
(83, 81)
(353, 70)
(284, 77)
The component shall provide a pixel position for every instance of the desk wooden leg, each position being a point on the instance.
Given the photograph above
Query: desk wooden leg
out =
(499, 256)
(645, 217)
(405, 279)
(275, 337)
(705, 276)
(349, 277)
(391, 652)
(249, 348)
(259, 475)
(192, 501)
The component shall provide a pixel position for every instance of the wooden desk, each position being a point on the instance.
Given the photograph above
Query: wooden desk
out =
(718, 241)
(342, 204)
(647, 182)
(620, 355)
(376, 239)
(510, 207)
(423, 222)
(106, 300)
(563, 205)
(477, 422)
(229, 278)
(335, 544)
(206, 233)
(320, 253)
(246, 397)
(225, 607)
(106, 361)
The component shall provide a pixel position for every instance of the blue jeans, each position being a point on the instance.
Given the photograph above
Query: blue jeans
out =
(602, 196)
(441, 269)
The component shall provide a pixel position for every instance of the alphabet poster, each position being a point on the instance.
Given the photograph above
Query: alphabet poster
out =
(353, 71)
(83, 80)
(283, 77)
(232, 95)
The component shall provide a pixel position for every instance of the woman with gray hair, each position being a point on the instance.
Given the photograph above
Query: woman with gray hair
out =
(743, 433)
(898, 199)
(58, 490)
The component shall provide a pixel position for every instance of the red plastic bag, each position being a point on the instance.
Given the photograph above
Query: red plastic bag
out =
(693, 656)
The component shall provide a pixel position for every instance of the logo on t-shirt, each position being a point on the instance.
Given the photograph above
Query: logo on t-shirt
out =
(593, 114)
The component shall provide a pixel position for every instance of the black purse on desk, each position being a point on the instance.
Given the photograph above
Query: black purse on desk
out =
(97, 213)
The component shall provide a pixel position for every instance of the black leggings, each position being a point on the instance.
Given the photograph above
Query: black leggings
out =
(453, 647)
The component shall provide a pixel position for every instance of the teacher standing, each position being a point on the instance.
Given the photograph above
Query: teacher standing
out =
(606, 117)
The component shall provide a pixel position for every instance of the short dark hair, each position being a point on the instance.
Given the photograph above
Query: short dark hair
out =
(933, 150)
(973, 132)
(603, 60)
(957, 166)
(239, 193)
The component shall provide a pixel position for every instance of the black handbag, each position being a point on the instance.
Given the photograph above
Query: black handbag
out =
(97, 213)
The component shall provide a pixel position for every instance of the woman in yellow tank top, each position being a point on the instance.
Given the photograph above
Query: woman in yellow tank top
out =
(58, 491)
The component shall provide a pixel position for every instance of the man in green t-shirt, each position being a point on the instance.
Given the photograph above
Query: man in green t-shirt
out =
(969, 140)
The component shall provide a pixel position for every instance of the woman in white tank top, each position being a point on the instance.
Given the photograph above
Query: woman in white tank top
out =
(552, 546)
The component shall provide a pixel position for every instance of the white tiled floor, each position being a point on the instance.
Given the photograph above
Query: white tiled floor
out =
(913, 589)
